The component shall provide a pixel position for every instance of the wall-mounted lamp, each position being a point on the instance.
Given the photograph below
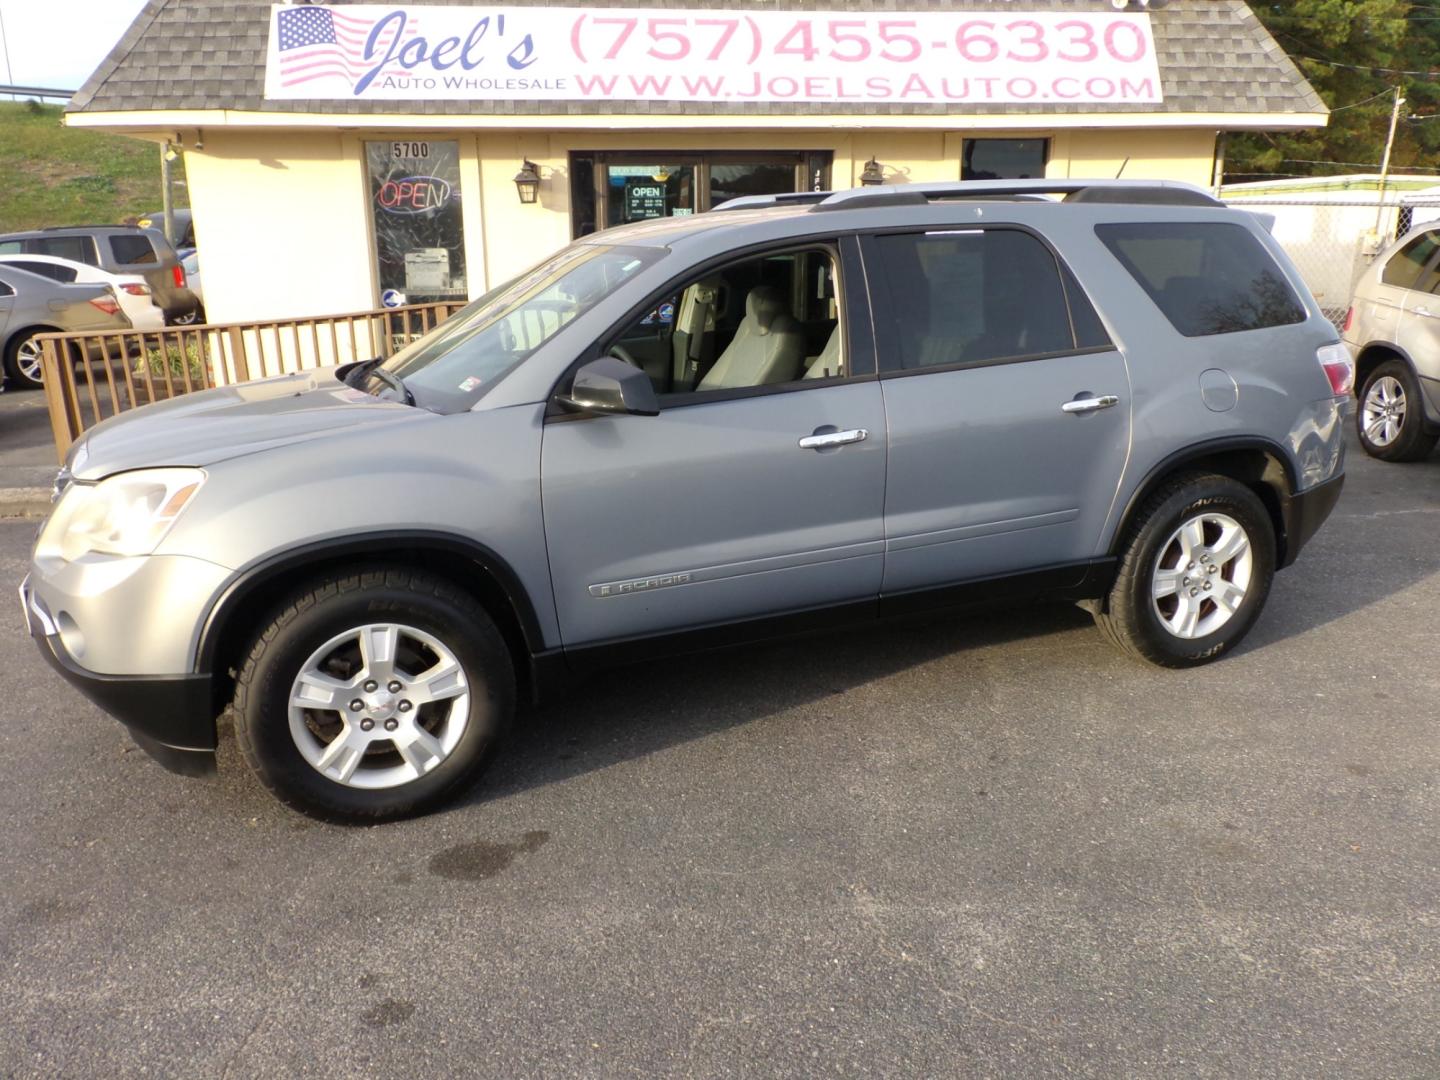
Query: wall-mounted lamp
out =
(171, 154)
(873, 174)
(527, 181)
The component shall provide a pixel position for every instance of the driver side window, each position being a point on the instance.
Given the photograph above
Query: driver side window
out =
(770, 320)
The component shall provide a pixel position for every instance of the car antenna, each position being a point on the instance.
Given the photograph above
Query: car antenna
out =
(1122, 168)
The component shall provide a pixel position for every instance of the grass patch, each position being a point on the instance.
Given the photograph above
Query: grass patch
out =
(53, 175)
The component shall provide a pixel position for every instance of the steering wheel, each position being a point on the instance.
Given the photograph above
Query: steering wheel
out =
(622, 353)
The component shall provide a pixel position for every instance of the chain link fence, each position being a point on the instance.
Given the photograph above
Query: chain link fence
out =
(1333, 241)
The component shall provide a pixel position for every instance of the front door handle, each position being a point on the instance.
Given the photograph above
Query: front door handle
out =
(1090, 404)
(821, 441)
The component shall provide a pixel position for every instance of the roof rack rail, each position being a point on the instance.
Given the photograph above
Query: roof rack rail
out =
(760, 202)
(1141, 192)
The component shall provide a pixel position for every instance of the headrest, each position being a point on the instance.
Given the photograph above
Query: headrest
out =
(763, 305)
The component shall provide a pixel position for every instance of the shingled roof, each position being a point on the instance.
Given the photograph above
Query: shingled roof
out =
(1214, 55)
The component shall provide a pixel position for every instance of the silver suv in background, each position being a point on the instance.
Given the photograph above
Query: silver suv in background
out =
(1393, 330)
(794, 413)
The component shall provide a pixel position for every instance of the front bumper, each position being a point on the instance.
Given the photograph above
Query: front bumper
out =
(1304, 512)
(170, 717)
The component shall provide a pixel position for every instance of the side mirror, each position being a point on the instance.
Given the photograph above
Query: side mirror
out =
(609, 385)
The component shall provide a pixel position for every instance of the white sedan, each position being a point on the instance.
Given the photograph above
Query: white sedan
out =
(130, 289)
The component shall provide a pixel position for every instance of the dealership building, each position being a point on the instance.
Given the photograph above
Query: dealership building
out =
(340, 156)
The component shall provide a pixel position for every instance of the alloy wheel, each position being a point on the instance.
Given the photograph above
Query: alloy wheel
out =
(1384, 411)
(1202, 575)
(27, 359)
(379, 706)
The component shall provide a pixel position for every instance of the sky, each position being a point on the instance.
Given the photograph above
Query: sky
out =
(58, 43)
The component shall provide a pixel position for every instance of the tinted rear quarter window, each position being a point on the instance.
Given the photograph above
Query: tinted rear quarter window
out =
(64, 274)
(1209, 277)
(132, 250)
(6, 289)
(973, 296)
(1405, 265)
(78, 248)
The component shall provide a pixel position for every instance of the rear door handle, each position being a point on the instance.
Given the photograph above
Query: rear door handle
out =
(1090, 404)
(833, 438)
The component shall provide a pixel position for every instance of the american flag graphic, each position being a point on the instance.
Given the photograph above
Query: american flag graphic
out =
(320, 43)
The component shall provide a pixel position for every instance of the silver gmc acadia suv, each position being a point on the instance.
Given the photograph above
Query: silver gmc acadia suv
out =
(795, 413)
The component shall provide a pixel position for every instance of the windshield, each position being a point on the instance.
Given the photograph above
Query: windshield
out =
(455, 363)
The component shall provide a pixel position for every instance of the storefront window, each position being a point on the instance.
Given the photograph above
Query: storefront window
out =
(616, 188)
(419, 235)
(1004, 159)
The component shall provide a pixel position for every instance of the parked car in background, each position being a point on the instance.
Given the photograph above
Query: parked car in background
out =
(807, 413)
(136, 297)
(1393, 331)
(190, 260)
(120, 249)
(184, 226)
(31, 305)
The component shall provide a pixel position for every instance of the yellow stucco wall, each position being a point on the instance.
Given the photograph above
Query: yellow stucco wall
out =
(283, 222)
(280, 219)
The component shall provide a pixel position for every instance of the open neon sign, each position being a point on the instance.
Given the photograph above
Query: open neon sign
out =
(413, 195)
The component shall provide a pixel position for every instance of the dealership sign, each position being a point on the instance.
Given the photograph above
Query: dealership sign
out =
(397, 53)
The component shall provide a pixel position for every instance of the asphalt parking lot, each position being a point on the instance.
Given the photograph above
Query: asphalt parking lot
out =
(989, 846)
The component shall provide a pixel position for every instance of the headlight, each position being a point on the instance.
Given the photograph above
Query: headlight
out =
(128, 514)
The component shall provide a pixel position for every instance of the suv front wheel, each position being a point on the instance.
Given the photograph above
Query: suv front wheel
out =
(1194, 572)
(1391, 418)
(373, 695)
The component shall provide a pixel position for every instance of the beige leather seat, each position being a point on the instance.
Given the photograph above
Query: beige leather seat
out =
(769, 346)
(827, 364)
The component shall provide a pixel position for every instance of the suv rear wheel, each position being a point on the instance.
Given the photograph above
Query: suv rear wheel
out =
(373, 696)
(1194, 573)
(1391, 417)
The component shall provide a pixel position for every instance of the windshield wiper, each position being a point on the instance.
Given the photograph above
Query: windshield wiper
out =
(390, 379)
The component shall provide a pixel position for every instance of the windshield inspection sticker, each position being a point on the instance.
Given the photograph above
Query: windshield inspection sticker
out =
(470, 384)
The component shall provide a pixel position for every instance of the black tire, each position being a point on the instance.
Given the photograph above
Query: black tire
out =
(314, 617)
(1410, 442)
(1130, 616)
(14, 373)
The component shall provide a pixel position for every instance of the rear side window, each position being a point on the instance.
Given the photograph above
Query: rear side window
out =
(64, 274)
(974, 296)
(6, 289)
(1404, 268)
(132, 250)
(78, 248)
(9, 247)
(1206, 277)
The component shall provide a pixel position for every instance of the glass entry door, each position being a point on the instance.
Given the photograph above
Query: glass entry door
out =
(616, 188)
(648, 190)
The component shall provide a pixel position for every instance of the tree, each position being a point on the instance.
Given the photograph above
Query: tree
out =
(1352, 51)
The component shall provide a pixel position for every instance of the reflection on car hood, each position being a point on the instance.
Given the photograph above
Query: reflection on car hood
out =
(213, 425)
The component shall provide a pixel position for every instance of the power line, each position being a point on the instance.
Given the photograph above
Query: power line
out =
(1372, 70)
(5, 46)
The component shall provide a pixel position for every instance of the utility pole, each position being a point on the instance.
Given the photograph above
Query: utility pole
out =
(167, 155)
(1385, 161)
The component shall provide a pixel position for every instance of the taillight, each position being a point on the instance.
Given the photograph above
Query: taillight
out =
(107, 304)
(1349, 321)
(179, 272)
(1339, 367)
(137, 290)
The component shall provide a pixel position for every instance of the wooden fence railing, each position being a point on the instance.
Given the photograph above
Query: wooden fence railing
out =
(106, 374)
